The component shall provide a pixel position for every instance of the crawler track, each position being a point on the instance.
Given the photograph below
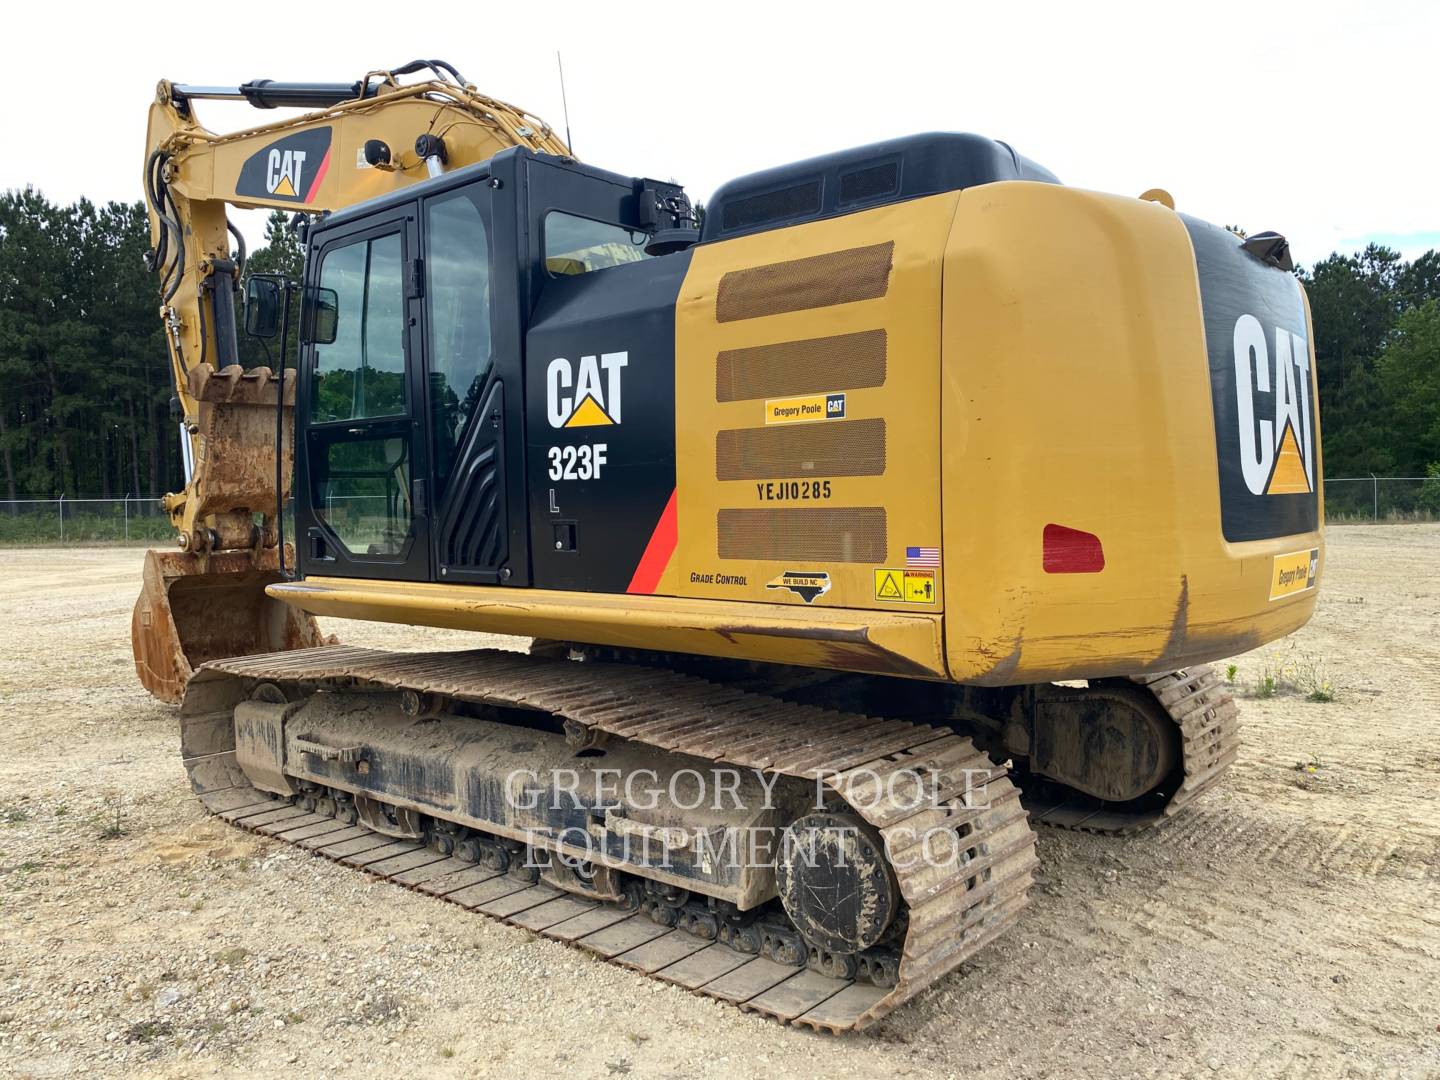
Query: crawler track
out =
(955, 904)
(1209, 722)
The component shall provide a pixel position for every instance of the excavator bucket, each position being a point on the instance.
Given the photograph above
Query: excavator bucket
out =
(196, 607)
(190, 612)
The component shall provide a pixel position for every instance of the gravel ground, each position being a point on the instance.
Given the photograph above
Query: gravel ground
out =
(1288, 925)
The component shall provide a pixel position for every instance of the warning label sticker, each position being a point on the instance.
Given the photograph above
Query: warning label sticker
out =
(888, 585)
(905, 586)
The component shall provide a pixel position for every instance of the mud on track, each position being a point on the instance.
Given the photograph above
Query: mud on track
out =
(1289, 925)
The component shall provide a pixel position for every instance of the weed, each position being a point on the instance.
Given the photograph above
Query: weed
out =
(1312, 766)
(232, 957)
(111, 820)
(147, 1031)
(61, 810)
(292, 1018)
(447, 1051)
(1230, 672)
(1293, 672)
(14, 815)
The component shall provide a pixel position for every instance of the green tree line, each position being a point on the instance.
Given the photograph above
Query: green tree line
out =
(1377, 350)
(85, 384)
(84, 379)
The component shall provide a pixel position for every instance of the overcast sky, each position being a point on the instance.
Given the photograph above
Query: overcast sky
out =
(1316, 119)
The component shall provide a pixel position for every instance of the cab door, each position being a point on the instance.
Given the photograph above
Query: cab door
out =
(474, 380)
(362, 477)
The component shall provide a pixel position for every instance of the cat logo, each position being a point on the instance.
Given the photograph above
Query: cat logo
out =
(284, 171)
(577, 395)
(289, 169)
(1276, 450)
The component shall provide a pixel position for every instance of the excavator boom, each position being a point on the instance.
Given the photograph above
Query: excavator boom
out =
(360, 140)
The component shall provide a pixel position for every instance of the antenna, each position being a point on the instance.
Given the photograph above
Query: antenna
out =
(563, 102)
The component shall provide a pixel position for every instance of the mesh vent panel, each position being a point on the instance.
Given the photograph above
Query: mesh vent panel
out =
(870, 183)
(837, 277)
(822, 534)
(798, 201)
(811, 366)
(824, 448)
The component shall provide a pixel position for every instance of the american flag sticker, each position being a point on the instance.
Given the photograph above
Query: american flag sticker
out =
(928, 557)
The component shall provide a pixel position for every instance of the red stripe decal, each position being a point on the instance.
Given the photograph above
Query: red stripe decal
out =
(319, 176)
(657, 552)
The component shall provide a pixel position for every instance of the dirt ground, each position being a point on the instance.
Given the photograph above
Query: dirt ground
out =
(1288, 925)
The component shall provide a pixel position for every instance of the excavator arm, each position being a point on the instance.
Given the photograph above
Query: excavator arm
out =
(358, 141)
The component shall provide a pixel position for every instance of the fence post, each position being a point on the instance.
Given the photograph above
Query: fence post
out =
(127, 517)
(62, 517)
(1375, 491)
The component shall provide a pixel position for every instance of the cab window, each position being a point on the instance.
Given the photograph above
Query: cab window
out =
(361, 374)
(458, 296)
(577, 245)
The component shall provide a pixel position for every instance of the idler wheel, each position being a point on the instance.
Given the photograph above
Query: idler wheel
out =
(835, 882)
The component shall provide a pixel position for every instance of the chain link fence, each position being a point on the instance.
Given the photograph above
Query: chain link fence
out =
(1382, 498)
(139, 519)
(133, 518)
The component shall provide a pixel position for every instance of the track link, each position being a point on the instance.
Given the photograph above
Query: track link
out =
(958, 898)
(1202, 708)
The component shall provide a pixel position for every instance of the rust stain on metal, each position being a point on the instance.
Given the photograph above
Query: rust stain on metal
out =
(193, 610)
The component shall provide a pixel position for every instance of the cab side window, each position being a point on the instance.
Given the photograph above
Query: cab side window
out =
(577, 245)
(361, 374)
(458, 296)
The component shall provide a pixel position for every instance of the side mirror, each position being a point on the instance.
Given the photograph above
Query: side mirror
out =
(262, 305)
(320, 317)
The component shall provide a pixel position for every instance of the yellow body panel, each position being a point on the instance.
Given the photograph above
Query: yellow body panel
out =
(1076, 392)
(908, 489)
(882, 643)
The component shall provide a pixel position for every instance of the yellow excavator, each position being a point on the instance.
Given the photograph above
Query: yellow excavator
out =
(892, 504)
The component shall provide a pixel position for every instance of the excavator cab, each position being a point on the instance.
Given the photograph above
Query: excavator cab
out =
(432, 445)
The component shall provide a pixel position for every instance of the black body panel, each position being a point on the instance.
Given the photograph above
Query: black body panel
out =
(602, 522)
(1262, 389)
(867, 176)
